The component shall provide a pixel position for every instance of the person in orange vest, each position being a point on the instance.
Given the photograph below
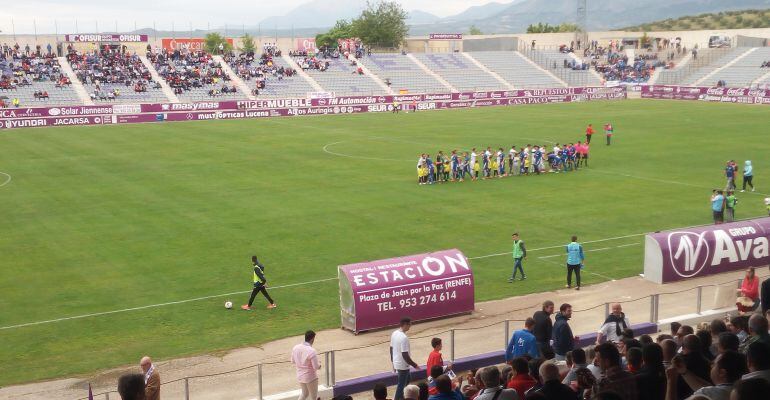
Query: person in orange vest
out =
(589, 133)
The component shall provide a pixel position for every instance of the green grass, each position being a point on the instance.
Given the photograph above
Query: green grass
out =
(105, 218)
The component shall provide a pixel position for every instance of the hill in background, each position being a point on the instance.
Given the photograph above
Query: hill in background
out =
(723, 20)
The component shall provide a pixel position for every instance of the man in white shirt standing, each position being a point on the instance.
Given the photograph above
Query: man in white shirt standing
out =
(399, 356)
(305, 359)
(613, 326)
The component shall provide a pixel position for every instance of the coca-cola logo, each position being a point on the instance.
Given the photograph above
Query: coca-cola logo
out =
(734, 92)
(688, 252)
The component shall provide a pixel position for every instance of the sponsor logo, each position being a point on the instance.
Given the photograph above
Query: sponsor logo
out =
(54, 111)
(688, 252)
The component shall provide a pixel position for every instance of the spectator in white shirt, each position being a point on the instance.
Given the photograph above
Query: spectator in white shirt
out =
(613, 326)
(305, 359)
(399, 356)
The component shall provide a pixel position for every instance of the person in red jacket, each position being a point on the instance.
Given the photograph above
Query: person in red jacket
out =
(750, 290)
(434, 358)
(521, 381)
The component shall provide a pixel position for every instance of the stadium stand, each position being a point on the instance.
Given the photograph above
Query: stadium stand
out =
(194, 76)
(744, 71)
(339, 76)
(269, 75)
(516, 69)
(704, 71)
(115, 77)
(34, 81)
(459, 71)
(402, 73)
(571, 69)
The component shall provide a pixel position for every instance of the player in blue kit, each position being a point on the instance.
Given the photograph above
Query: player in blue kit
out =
(501, 162)
(431, 170)
(453, 160)
(538, 162)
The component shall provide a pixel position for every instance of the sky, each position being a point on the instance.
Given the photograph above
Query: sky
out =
(48, 16)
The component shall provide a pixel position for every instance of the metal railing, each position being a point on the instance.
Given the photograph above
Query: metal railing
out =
(705, 57)
(554, 63)
(653, 304)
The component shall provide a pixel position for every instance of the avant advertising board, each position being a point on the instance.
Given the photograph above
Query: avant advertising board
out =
(377, 294)
(685, 253)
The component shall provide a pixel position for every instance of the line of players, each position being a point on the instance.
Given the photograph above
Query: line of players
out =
(489, 164)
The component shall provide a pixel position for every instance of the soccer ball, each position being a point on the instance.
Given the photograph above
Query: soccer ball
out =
(228, 305)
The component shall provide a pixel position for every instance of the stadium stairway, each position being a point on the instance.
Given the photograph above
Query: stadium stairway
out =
(544, 70)
(368, 72)
(309, 79)
(242, 86)
(77, 86)
(762, 79)
(488, 71)
(591, 73)
(431, 73)
(163, 84)
(731, 63)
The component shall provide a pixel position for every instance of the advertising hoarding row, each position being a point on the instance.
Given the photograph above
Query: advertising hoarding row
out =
(318, 105)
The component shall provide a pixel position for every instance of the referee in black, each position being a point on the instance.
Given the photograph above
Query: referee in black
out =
(259, 285)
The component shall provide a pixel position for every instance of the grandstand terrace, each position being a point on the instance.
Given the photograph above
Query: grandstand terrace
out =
(339, 76)
(34, 81)
(194, 76)
(459, 71)
(269, 76)
(516, 69)
(115, 77)
(402, 73)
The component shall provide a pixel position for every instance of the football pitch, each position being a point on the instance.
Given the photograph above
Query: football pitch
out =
(98, 223)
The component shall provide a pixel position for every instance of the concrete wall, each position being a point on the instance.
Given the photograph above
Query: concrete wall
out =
(491, 44)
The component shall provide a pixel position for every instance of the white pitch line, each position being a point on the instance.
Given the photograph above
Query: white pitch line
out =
(326, 150)
(583, 271)
(662, 180)
(301, 284)
(7, 181)
(155, 305)
(602, 249)
(562, 245)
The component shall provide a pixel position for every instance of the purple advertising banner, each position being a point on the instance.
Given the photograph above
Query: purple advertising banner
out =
(135, 113)
(105, 37)
(377, 294)
(446, 36)
(715, 95)
(694, 252)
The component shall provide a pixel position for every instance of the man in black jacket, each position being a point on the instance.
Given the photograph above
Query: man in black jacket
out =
(543, 326)
(563, 341)
(765, 296)
(259, 285)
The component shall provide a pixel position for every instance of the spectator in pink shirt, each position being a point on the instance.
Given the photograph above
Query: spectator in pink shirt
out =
(305, 359)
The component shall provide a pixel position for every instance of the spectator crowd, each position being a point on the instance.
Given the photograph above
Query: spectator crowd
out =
(724, 359)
